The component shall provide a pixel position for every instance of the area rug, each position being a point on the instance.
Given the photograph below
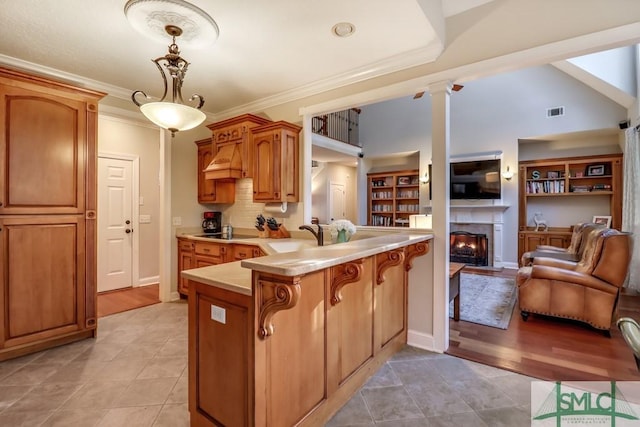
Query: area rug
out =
(486, 300)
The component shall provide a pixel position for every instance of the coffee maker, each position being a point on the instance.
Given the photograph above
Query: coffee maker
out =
(212, 222)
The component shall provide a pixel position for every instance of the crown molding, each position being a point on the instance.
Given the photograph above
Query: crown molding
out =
(386, 66)
(64, 76)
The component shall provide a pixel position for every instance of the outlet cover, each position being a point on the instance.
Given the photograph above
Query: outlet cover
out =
(218, 314)
(176, 220)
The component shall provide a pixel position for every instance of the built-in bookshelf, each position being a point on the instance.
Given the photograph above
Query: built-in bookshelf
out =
(591, 182)
(393, 196)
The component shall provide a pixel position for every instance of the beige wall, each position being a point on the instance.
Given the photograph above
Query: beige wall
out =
(333, 172)
(118, 136)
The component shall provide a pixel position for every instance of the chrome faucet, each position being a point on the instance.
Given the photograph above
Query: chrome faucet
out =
(319, 235)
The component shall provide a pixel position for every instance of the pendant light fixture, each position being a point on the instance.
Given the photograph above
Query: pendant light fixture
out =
(173, 115)
(175, 18)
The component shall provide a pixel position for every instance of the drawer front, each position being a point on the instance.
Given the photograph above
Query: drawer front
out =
(209, 249)
(185, 245)
(241, 252)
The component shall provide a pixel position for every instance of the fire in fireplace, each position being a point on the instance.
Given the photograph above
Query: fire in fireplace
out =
(468, 248)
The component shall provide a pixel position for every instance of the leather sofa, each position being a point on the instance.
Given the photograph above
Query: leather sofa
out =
(571, 253)
(587, 290)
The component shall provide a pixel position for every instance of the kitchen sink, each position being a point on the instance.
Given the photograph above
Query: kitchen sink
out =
(291, 245)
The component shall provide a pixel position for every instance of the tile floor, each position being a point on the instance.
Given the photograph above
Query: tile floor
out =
(135, 374)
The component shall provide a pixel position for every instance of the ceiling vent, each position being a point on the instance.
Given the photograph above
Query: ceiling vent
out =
(555, 112)
(314, 163)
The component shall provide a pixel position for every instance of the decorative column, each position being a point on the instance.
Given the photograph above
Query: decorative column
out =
(440, 94)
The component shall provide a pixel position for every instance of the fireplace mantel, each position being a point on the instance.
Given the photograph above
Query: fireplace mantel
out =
(475, 214)
(472, 213)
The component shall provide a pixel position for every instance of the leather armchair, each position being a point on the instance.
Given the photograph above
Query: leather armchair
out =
(573, 252)
(587, 290)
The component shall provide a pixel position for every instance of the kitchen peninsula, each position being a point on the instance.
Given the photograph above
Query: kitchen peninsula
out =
(286, 339)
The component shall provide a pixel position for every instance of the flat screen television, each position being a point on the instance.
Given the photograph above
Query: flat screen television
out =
(478, 179)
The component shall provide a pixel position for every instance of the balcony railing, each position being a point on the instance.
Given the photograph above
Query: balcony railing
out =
(341, 126)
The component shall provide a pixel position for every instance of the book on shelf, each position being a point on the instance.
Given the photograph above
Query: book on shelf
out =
(601, 187)
(580, 188)
(549, 187)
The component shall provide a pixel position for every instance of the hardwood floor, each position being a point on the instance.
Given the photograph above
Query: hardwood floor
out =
(548, 348)
(127, 299)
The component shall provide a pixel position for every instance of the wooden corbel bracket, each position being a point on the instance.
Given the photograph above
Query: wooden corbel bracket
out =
(413, 251)
(386, 260)
(274, 297)
(343, 274)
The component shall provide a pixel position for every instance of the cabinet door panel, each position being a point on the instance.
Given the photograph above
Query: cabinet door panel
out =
(391, 299)
(350, 327)
(43, 151)
(266, 171)
(185, 262)
(43, 278)
(559, 240)
(206, 187)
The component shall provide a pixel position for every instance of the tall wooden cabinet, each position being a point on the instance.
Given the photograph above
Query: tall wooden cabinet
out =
(276, 167)
(212, 190)
(392, 197)
(592, 182)
(48, 185)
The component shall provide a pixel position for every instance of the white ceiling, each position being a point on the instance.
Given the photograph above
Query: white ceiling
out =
(264, 48)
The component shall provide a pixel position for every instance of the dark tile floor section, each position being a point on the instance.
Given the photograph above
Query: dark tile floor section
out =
(135, 374)
(417, 388)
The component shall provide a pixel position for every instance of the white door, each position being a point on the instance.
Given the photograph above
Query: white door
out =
(336, 201)
(115, 223)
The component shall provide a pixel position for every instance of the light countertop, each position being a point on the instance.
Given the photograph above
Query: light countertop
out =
(318, 258)
(230, 276)
(293, 257)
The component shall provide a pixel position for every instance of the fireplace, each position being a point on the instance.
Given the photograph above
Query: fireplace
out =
(468, 248)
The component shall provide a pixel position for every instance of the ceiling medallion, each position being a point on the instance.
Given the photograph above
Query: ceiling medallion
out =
(151, 17)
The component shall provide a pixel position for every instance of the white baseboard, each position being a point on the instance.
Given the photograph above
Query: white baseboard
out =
(175, 296)
(151, 280)
(512, 265)
(421, 340)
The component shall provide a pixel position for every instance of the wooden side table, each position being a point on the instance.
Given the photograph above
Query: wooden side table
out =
(454, 287)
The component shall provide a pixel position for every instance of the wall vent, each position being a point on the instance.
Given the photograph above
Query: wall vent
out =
(314, 163)
(555, 112)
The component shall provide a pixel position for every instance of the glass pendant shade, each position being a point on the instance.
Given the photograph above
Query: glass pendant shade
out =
(172, 116)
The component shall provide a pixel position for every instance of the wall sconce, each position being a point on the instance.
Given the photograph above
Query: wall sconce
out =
(507, 174)
(425, 179)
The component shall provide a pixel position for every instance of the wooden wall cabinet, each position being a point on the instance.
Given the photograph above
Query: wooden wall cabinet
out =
(276, 166)
(48, 203)
(236, 131)
(212, 190)
(392, 197)
(560, 182)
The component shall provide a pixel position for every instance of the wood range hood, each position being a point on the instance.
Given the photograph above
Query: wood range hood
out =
(226, 164)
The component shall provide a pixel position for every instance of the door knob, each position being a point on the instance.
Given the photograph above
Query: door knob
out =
(127, 222)
(128, 230)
